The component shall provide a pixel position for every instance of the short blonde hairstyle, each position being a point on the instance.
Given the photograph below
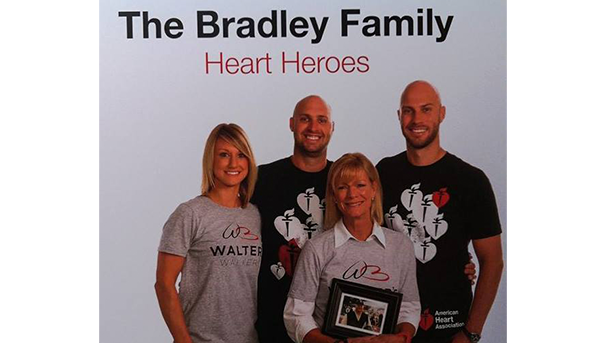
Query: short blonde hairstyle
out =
(234, 135)
(344, 169)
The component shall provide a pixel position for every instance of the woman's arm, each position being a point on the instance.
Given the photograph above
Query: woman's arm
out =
(298, 321)
(169, 267)
(316, 336)
(404, 333)
(405, 330)
(300, 304)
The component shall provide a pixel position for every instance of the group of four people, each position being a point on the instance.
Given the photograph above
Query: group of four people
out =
(261, 273)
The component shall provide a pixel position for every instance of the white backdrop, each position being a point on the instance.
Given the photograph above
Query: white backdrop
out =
(157, 106)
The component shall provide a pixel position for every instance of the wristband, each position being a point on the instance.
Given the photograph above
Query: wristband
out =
(473, 337)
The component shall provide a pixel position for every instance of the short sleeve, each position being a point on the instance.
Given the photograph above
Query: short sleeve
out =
(410, 309)
(306, 279)
(178, 232)
(298, 317)
(484, 215)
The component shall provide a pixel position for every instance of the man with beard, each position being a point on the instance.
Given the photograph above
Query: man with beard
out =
(442, 203)
(290, 196)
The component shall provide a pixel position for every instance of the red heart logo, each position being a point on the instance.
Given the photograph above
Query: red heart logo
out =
(426, 320)
(440, 198)
(288, 255)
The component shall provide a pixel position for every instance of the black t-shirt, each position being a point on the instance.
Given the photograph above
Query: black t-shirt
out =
(352, 320)
(440, 207)
(291, 202)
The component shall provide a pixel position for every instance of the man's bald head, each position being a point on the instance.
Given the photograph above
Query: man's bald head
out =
(312, 100)
(312, 127)
(421, 88)
(420, 114)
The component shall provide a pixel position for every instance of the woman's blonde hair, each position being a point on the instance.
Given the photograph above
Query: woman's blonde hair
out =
(234, 135)
(344, 169)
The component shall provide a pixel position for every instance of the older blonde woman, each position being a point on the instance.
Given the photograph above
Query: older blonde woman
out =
(214, 242)
(356, 248)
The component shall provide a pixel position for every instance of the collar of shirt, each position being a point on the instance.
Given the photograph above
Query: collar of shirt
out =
(342, 235)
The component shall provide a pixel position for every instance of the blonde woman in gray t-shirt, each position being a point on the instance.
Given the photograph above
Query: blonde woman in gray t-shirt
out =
(214, 242)
(354, 237)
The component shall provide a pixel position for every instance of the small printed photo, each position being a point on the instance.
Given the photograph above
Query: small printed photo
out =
(361, 314)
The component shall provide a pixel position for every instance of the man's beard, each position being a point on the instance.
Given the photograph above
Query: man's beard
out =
(422, 144)
(311, 153)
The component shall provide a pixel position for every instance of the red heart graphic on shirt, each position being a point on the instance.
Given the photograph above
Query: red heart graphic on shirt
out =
(426, 320)
(288, 255)
(440, 198)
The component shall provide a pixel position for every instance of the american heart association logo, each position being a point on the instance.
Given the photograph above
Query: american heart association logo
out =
(425, 251)
(308, 201)
(411, 196)
(394, 220)
(277, 270)
(426, 320)
(288, 256)
(312, 205)
(440, 198)
(288, 225)
(438, 227)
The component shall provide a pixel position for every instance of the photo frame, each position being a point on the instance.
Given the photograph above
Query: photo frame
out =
(356, 310)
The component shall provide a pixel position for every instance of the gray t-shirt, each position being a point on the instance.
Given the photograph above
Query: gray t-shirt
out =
(388, 266)
(222, 250)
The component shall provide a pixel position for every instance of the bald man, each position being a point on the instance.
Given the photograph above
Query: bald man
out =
(290, 196)
(442, 203)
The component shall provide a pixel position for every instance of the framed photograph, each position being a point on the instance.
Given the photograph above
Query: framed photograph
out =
(356, 310)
